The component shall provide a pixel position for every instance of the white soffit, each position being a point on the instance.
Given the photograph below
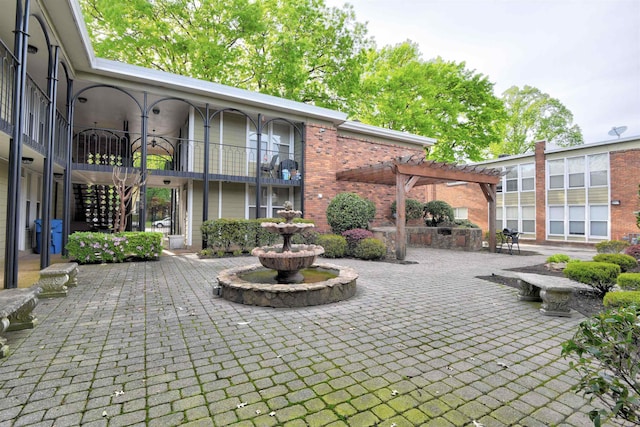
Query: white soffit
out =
(361, 128)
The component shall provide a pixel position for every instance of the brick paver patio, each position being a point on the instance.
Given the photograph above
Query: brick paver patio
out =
(419, 344)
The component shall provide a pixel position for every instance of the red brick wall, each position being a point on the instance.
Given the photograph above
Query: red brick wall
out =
(468, 196)
(541, 192)
(624, 187)
(327, 153)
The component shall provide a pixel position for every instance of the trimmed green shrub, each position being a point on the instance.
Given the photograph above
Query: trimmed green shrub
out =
(611, 246)
(437, 212)
(621, 299)
(629, 281)
(354, 237)
(89, 247)
(626, 262)
(370, 248)
(307, 237)
(634, 251)
(464, 223)
(347, 211)
(607, 361)
(335, 246)
(558, 258)
(412, 208)
(600, 275)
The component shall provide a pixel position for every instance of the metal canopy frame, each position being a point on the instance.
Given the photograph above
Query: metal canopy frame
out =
(408, 172)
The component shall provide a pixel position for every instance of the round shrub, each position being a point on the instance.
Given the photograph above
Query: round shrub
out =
(559, 258)
(370, 248)
(464, 223)
(621, 299)
(626, 262)
(354, 237)
(629, 281)
(611, 246)
(634, 251)
(600, 275)
(437, 212)
(348, 211)
(412, 208)
(335, 246)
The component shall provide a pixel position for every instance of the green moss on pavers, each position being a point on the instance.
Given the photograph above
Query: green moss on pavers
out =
(277, 402)
(365, 401)
(342, 382)
(399, 421)
(374, 383)
(336, 397)
(321, 418)
(291, 413)
(224, 405)
(403, 403)
(452, 400)
(507, 415)
(439, 422)
(265, 420)
(278, 390)
(415, 416)
(356, 390)
(474, 410)
(197, 413)
(457, 418)
(203, 422)
(338, 423)
(384, 411)
(434, 408)
(225, 418)
(322, 389)
(345, 410)
(314, 405)
(300, 395)
(296, 423)
(363, 419)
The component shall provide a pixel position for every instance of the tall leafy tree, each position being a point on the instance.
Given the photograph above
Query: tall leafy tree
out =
(296, 49)
(435, 98)
(534, 116)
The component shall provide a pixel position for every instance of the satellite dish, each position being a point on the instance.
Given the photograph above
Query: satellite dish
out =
(617, 131)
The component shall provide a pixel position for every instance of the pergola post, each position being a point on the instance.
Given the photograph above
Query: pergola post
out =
(401, 232)
(489, 191)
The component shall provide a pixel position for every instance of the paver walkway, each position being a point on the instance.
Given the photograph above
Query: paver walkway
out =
(420, 344)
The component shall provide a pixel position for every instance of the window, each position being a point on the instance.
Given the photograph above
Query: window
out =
(528, 219)
(512, 217)
(252, 202)
(461, 213)
(598, 170)
(512, 179)
(576, 172)
(271, 201)
(499, 221)
(527, 173)
(556, 173)
(599, 216)
(576, 220)
(556, 220)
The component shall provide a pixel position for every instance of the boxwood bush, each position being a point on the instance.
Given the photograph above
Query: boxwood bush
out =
(626, 262)
(90, 247)
(611, 246)
(629, 281)
(621, 299)
(335, 246)
(558, 258)
(600, 275)
(370, 248)
(347, 211)
(412, 208)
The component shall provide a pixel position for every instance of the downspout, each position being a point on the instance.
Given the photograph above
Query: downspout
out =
(15, 149)
(52, 89)
(66, 209)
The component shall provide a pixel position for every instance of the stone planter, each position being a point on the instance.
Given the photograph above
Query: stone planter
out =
(176, 241)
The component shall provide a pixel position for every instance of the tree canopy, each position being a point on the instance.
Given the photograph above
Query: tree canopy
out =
(534, 116)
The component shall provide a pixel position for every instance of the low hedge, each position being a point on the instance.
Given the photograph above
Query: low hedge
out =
(626, 262)
(558, 258)
(335, 246)
(370, 248)
(611, 246)
(621, 299)
(90, 247)
(629, 281)
(600, 275)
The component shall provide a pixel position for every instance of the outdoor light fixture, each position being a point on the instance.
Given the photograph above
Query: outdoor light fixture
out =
(615, 202)
(82, 99)
(27, 160)
(32, 49)
(167, 181)
(58, 175)
(156, 110)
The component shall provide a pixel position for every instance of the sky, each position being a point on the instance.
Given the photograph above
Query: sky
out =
(585, 53)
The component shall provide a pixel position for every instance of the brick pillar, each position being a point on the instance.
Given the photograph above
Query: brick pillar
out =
(320, 172)
(541, 199)
(622, 164)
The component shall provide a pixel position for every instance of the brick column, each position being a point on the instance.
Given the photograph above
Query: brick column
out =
(541, 192)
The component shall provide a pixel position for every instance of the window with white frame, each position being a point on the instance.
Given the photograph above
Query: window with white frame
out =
(598, 170)
(461, 213)
(528, 219)
(499, 221)
(556, 220)
(271, 200)
(576, 221)
(512, 179)
(512, 217)
(598, 220)
(556, 173)
(276, 140)
(575, 166)
(527, 177)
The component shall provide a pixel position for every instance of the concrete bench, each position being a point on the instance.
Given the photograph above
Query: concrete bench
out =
(16, 306)
(55, 279)
(554, 292)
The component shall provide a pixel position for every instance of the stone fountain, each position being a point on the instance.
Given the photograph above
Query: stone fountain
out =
(287, 275)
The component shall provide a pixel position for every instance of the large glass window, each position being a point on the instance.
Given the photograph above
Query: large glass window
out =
(271, 201)
(527, 173)
(556, 220)
(499, 221)
(575, 165)
(598, 170)
(512, 179)
(528, 219)
(599, 218)
(576, 220)
(461, 213)
(512, 217)
(556, 173)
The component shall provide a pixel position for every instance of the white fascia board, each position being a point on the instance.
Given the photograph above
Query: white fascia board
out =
(593, 144)
(361, 128)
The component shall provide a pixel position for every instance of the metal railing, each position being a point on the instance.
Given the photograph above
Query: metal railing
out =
(7, 75)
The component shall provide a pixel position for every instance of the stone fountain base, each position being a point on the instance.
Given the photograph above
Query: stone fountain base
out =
(233, 288)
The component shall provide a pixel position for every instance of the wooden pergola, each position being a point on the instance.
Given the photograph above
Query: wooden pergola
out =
(408, 172)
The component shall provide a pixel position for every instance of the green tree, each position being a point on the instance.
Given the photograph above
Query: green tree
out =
(535, 116)
(296, 49)
(435, 98)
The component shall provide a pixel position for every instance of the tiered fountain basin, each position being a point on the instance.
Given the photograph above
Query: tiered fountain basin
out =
(288, 263)
(237, 285)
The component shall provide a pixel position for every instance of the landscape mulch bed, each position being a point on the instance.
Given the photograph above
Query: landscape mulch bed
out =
(585, 302)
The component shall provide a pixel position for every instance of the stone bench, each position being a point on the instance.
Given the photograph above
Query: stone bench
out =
(55, 279)
(554, 292)
(16, 306)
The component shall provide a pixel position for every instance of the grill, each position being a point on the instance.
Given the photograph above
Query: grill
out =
(510, 238)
